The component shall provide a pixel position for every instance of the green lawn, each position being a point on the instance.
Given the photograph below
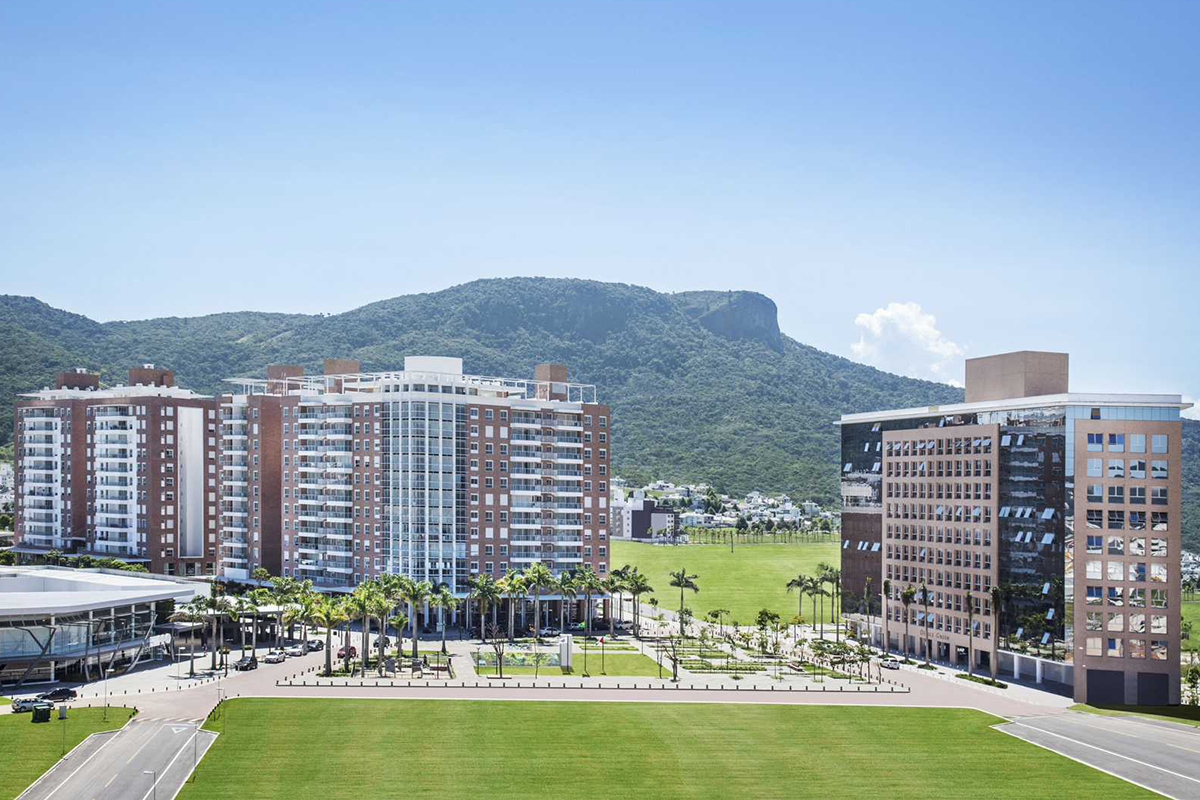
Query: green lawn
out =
(498, 749)
(626, 665)
(1188, 715)
(1191, 613)
(750, 578)
(28, 750)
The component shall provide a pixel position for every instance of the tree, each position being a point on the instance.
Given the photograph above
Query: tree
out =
(883, 610)
(906, 597)
(513, 584)
(359, 604)
(681, 580)
(613, 585)
(815, 589)
(868, 599)
(445, 602)
(217, 607)
(328, 613)
(799, 584)
(381, 606)
(487, 593)
(997, 610)
(259, 597)
(589, 583)
(242, 606)
(194, 612)
(415, 594)
(537, 577)
(565, 585)
(498, 647)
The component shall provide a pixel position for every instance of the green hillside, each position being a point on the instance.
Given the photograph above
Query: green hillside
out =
(704, 386)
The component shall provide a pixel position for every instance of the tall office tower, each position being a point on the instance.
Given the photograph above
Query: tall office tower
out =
(428, 472)
(1040, 529)
(127, 472)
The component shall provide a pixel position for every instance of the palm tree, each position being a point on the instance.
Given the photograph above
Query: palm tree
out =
(537, 576)
(589, 582)
(906, 597)
(258, 598)
(444, 600)
(381, 605)
(471, 581)
(637, 585)
(682, 580)
(997, 607)
(834, 576)
(217, 607)
(883, 611)
(613, 585)
(970, 598)
(868, 600)
(399, 621)
(815, 589)
(360, 604)
(925, 620)
(282, 590)
(513, 585)
(823, 575)
(328, 613)
(242, 606)
(487, 593)
(416, 593)
(799, 583)
(194, 613)
(566, 588)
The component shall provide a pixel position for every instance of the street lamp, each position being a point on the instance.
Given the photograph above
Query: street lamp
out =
(153, 783)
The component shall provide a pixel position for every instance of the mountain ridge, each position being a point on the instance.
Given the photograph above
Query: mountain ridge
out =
(703, 384)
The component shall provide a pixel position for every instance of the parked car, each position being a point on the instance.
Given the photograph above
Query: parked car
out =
(59, 694)
(245, 663)
(315, 644)
(30, 703)
(387, 642)
(889, 663)
(548, 632)
(297, 650)
(342, 652)
(275, 657)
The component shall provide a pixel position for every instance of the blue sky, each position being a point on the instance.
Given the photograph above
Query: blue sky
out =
(912, 183)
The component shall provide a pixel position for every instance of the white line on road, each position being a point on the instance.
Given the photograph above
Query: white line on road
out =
(1049, 749)
(1111, 752)
(1138, 736)
(84, 764)
(110, 780)
(170, 764)
(149, 739)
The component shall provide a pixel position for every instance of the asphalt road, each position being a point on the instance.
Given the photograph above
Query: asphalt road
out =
(1163, 757)
(145, 760)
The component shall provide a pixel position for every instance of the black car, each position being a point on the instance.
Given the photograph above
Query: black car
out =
(249, 662)
(56, 695)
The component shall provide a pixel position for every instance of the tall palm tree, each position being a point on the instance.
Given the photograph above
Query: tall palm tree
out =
(906, 597)
(381, 606)
(589, 583)
(970, 598)
(513, 585)
(487, 593)
(282, 590)
(682, 580)
(399, 621)
(637, 585)
(444, 601)
(359, 604)
(997, 610)
(328, 613)
(799, 584)
(258, 597)
(415, 594)
(925, 620)
(883, 611)
(537, 577)
(471, 581)
(824, 576)
(217, 607)
(565, 584)
(613, 585)
(242, 606)
(868, 599)
(815, 589)
(194, 613)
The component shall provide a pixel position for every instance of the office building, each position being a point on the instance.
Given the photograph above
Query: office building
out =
(127, 472)
(1044, 526)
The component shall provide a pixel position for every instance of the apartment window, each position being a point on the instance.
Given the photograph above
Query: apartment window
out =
(1116, 443)
(1158, 520)
(1095, 493)
(1095, 544)
(1137, 442)
(1158, 495)
(1116, 494)
(1116, 468)
(1137, 520)
(1095, 595)
(1137, 571)
(1158, 443)
(1095, 468)
(1137, 468)
(1116, 547)
(1116, 596)
(1095, 442)
(1158, 470)
(1095, 646)
(1095, 518)
(1137, 495)
(1116, 647)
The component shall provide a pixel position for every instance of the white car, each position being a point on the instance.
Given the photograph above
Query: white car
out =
(30, 703)
(889, 663)
(275, 657)
(297, 650)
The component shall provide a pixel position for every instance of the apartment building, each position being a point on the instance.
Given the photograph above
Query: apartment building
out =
(1040, 528)
(127, 472)
(426, 471)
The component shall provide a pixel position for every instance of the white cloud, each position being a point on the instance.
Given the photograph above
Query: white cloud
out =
(904, 339)
(1194, 411)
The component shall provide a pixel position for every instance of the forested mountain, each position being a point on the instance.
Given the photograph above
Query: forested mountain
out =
(703, 385)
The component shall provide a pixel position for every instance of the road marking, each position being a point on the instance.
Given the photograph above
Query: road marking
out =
(170, 764)
(1049, 749)
(149, 739)
(110, 780)
(1140, 737)
(84, 764)
(1111, 752)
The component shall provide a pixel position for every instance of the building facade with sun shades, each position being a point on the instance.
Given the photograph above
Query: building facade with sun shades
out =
(1040, 529)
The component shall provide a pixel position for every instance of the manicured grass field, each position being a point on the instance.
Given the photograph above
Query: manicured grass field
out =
(1187, 715)
(750, 578)
(615, 664)
(497, 749)
(28, 750)
(1191, 613)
